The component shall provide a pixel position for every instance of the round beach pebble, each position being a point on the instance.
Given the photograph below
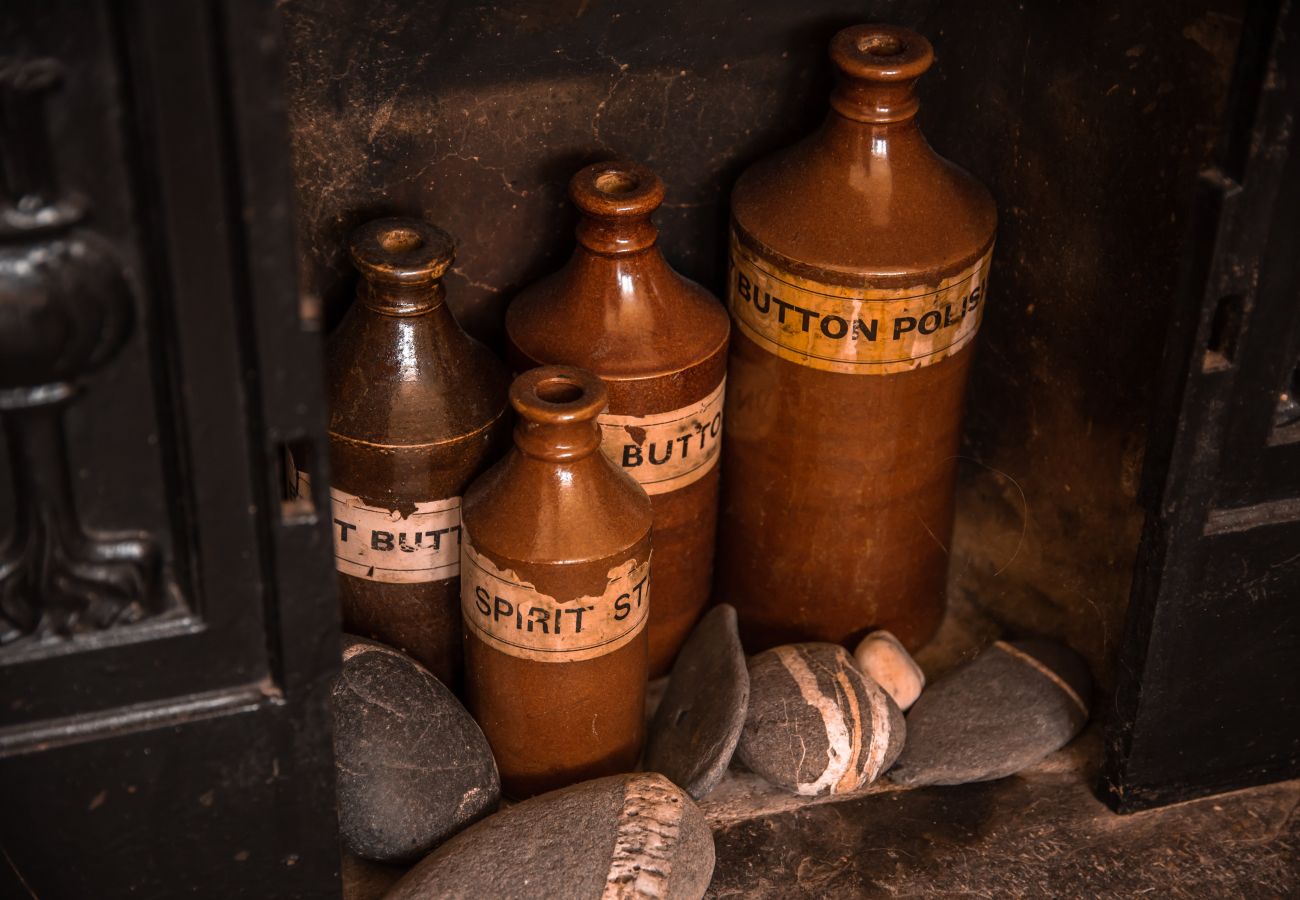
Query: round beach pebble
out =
(413, 766)
(625, 836)
(698, 723)
(816, 724)
(1005, 710)
(883, 657)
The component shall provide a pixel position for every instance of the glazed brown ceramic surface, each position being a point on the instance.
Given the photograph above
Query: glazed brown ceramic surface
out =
(859, 260)
(417, 409)
(555, 593)
(659, 342)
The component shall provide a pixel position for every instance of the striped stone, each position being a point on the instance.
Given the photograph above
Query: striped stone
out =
(816, 724)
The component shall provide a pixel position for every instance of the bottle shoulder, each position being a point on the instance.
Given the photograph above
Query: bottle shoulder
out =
(842, 206)
(619, 318)
(402, 380)
(545, 512)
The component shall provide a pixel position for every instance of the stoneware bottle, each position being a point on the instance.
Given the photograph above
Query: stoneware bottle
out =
(859, 262)
(417, 409)
(555, 592)
(659, 342)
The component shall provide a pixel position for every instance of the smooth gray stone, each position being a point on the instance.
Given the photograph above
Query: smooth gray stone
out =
(413, 766)
(816, 724)
(697, 726)
(1005, 710)
(629, 836)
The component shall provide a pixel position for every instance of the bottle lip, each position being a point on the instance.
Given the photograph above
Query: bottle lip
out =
(881, 53)
(401, 251)
(558, 395)
(616, 188)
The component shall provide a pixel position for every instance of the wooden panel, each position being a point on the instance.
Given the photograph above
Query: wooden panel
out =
(171, 678)
(1209, 689)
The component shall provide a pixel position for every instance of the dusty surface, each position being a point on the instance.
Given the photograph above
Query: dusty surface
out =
(1042, 833)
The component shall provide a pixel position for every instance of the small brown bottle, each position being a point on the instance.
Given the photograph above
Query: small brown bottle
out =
(659, 342)
(417, 409)
(555, 568)
(859, 264)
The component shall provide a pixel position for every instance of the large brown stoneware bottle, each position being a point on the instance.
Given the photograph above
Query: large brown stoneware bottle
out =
(659, 342)
(859, 262)
(555, 568)
(417, 409)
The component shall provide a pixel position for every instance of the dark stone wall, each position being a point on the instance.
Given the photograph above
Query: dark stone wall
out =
(1087, 121)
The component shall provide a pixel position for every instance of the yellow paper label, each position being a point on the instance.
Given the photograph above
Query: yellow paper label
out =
(667, 451)
(854, 330)
(511, 615)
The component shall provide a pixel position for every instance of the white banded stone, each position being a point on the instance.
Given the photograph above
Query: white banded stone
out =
(816, 724)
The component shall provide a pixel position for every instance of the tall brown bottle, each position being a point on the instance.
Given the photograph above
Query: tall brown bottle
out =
(555, 567)
(659, 341)
(417, 409)
(859, 262)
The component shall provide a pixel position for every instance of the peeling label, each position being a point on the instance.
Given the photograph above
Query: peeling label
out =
(512, 616)
(397, 546)
(667, 451)
(854, 330)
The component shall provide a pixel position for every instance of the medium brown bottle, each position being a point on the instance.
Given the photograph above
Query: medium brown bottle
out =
(417, 409)
(859, 263)
(659, 342)
(555, 568)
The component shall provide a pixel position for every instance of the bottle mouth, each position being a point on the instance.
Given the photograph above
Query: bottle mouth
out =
(878, 67)
(558, 395)
(401, 251)
(618, 188)
(881, 45)
(881, 53)
(558, 391)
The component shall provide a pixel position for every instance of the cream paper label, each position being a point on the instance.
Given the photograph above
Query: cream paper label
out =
(512, 616)
(858, 331)
(391, 545)
(667, 451)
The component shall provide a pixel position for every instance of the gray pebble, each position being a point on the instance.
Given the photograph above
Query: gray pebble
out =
(413, 766)
(698, 723)
(625, 836)
(1005, 710)
(816, 724)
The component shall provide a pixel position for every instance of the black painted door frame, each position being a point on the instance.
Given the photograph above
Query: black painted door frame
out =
(1208, 695)
(168, 616)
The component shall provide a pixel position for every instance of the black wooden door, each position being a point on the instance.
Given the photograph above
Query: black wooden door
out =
(168, 626)
(1209, 674)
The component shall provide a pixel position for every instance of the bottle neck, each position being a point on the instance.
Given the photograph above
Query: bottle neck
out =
(557, 407)
(875, 141)
(621, 271)
(566, 442)
(625, 274)
(875, 102)
(615, 236)
(395, 299)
